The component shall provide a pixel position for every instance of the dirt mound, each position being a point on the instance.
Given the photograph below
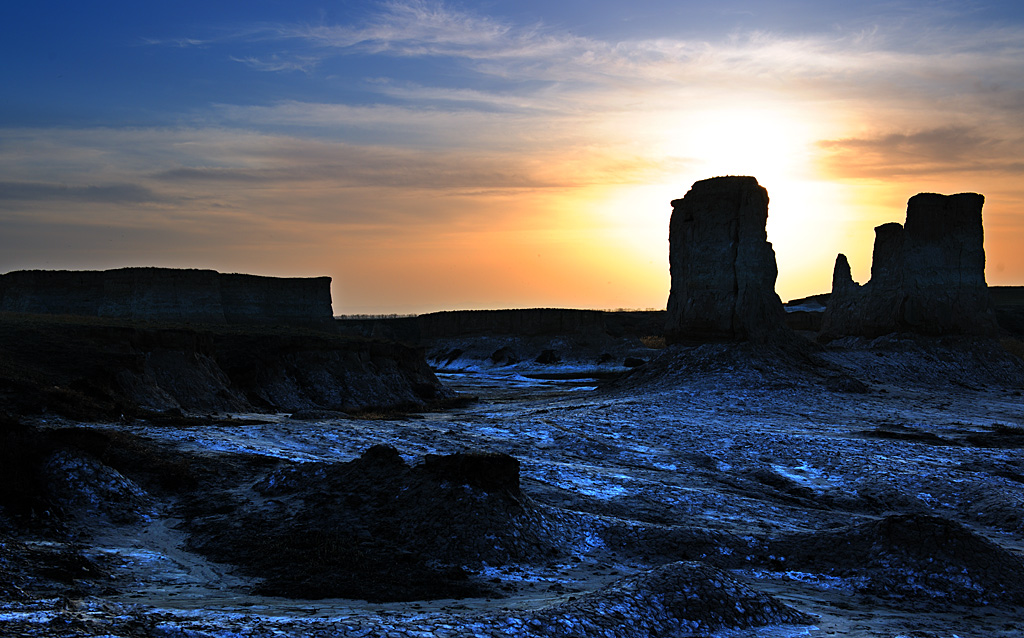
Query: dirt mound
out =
(28, 571)
(488, 471)
(376, 528)
(59, 481)
(23, 451)
(748, 365)
(674, 543)
(914, 556)
(675, 599)
(849, 365)
(92, 492)
(914, 360)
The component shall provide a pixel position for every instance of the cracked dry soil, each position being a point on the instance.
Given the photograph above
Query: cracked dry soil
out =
(724, 494)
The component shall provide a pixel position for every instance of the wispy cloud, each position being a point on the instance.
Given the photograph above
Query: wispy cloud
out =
(181, 43)
(419, 27)
(885, 63)
(560, 75)
(276, 62)
(423, 28)
(947, 149)
(94, 193)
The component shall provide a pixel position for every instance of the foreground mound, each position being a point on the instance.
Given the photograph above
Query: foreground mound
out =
(913, 360)
(750, 365)
(917, 556)
(852, 364)
(376, 528)
(676, 599)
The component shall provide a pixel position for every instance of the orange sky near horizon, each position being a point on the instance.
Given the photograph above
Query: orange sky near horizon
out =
(606, 246)
(579, 242)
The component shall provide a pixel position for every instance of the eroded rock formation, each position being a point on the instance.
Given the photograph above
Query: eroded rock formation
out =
(168, 294)
(100, 370)
(722, 265)
(927, 276)
(378, 529)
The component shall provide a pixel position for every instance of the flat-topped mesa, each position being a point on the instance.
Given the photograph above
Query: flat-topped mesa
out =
(927, 276)
(722, 265)
(169, 294)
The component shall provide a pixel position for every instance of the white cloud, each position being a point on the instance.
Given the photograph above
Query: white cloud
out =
(537, 69)
(277, 62)
(419, 27)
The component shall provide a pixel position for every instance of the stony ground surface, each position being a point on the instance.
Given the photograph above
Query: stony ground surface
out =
(877, 492)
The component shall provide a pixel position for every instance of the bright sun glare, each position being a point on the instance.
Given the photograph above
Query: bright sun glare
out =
(763, 143)
(778, 147)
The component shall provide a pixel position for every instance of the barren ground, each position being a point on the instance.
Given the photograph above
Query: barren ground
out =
(898, 511)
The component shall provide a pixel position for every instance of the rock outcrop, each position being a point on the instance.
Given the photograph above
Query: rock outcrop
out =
(376, 528)
(96, 369)
(722, 265)
(169, 294)
(927, 276)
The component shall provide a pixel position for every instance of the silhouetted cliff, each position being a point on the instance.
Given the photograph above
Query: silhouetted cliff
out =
(168, 294)
(99, 369)
(468, 323)
(506, 337)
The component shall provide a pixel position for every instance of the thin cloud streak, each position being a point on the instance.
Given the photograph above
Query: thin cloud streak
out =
(304, 64)
(427, 29)
(961, 149)
(17, 192)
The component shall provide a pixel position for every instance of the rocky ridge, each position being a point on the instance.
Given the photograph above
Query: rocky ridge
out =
(927, 275)
(507, 339)
(169, 294)
(108, 369)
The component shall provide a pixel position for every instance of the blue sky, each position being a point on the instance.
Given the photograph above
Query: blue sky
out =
(432, 155)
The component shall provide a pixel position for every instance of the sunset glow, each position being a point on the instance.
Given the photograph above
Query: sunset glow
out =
(437, 155)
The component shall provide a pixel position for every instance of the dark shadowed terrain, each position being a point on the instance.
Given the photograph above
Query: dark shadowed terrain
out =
(870, 488)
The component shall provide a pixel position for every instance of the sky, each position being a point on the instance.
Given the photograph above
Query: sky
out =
(434, 155)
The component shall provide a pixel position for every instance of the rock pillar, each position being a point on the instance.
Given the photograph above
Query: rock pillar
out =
(927, 276)
(722, 265)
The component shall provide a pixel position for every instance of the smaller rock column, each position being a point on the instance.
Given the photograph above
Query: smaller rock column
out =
(927, 276)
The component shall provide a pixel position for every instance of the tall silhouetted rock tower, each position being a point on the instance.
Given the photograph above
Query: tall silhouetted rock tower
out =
(722, 265)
